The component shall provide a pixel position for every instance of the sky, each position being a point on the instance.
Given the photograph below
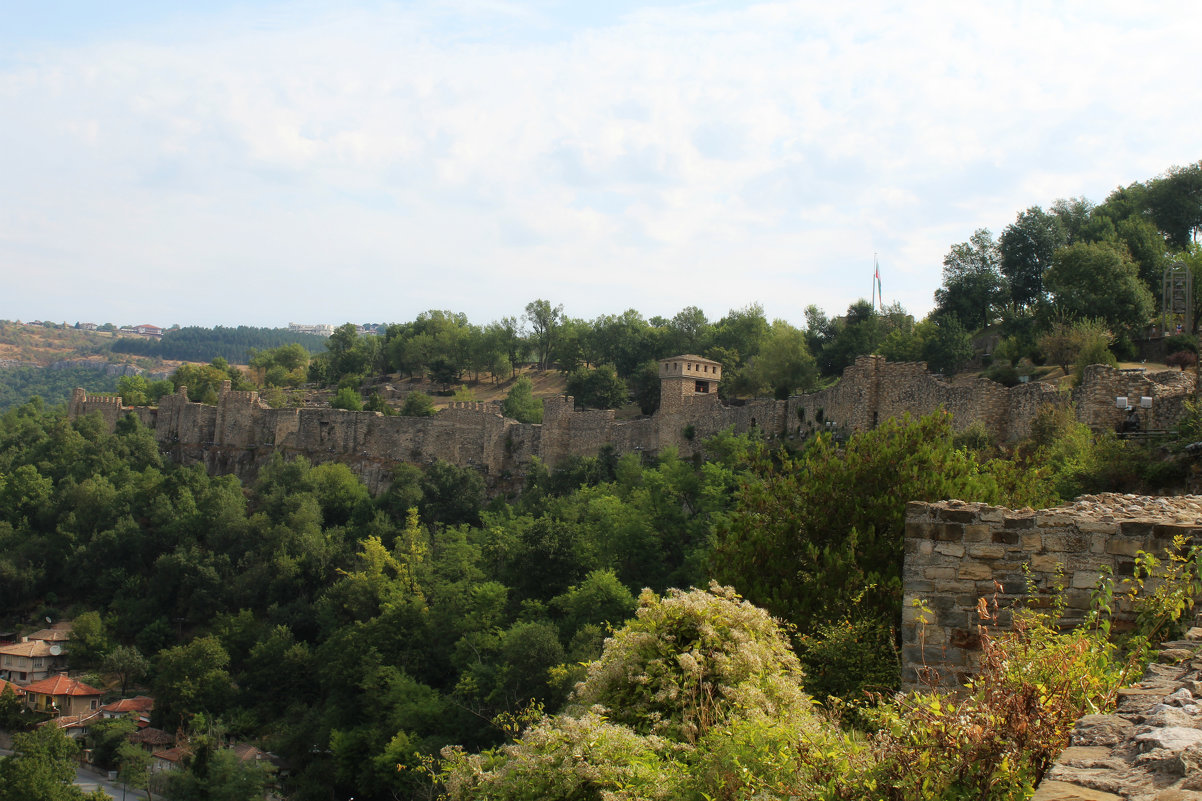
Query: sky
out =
(260, 163)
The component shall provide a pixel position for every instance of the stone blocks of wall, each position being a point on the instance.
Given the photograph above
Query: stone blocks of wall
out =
(874, 389)
(1149, 748)
(240, 433)
(957, 553)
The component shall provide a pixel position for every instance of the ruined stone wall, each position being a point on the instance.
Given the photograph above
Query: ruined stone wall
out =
(241, 433)
(874, 389)
(107, 406)
(957, 553)
(1100, 385)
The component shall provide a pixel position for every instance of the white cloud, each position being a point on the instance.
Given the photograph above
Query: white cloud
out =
(370, 164)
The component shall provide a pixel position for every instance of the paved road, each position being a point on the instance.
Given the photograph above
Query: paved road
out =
(88, 781)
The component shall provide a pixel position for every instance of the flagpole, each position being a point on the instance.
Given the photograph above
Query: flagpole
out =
(876, 283)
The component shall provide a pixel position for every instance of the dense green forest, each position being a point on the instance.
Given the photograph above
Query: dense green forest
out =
(353, 634)
(19, 384)
(197, 344)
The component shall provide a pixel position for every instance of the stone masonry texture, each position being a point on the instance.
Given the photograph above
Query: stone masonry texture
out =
(241, 433)
(957, 553)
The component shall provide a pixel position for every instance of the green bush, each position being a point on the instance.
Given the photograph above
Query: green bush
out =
(1095, 351)
(418, 404)
(520, 403)
(1180, 342)
(698, 697)
(849, 659)
(348, 399)
(376, 403)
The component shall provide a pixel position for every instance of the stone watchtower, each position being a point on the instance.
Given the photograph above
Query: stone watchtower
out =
(682, 378)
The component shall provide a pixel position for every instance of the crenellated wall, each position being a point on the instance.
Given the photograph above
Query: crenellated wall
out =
(240, 433)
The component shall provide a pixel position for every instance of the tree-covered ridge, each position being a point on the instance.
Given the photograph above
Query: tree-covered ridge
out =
(1077, 265)
(1080, 265)
(19, 384)
(234, 344)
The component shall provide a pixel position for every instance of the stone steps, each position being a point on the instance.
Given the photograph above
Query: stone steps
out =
(1150, 747)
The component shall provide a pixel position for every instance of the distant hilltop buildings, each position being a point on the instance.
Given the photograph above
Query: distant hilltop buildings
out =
(319, 329)
(149, 330)
(143, 329)
(325, 329)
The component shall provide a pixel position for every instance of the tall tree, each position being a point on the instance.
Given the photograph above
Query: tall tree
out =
(624, 340)
(1175, 200)
(857, 333)
(41, 769)
(127, 663)
(1026, 247)
(784, 364)
(973, 287)
(1099, 280)
(192, 679)
(349, 353)
(545, 321)
(688, 332)
(1074, 214)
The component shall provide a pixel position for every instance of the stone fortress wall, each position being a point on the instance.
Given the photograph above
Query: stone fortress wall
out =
(957, 553)
(241, 433)
(874, 389)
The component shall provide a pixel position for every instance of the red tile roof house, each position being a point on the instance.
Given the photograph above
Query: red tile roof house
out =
(75, 726)
(170, 758)
(31, 661)
(17, 689)
(134, 707)
(152, 739)
(60, 695)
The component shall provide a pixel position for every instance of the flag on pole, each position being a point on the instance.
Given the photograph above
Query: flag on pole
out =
(878, 296)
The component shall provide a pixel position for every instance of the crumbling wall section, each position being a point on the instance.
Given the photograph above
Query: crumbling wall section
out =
(957, 553)
(1101, 385)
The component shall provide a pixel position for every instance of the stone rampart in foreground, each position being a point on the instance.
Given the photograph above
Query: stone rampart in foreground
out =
(957, 553)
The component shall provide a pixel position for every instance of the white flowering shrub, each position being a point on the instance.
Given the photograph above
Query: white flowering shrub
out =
(698, 697)
(688, 661)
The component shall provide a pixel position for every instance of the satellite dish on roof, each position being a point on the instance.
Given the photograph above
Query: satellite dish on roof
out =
(56, 649)
(48, 619)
